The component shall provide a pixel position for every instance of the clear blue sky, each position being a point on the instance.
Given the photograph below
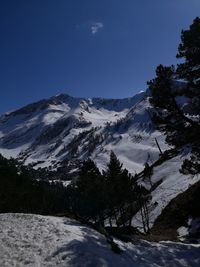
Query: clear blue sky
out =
(106, 48)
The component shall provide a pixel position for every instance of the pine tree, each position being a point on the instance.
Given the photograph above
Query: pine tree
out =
(114, 167)
(169, 117)
(113, 175)
(90, 192)
(189, 50)
(161, 88)
(119, 189)
(189, 70)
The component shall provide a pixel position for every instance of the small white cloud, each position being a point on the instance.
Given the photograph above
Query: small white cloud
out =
(96, 26)
(92, 27)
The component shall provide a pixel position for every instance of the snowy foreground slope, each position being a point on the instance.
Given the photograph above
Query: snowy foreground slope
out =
(34, 240)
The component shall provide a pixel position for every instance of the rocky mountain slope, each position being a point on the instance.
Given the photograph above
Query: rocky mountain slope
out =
(63, 130)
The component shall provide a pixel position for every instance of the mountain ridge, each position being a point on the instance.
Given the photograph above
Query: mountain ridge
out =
(61, 135)
(62, 128)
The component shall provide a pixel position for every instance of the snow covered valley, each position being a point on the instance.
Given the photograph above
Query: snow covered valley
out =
(35, 240)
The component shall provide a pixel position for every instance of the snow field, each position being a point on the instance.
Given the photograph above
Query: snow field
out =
(35, 240)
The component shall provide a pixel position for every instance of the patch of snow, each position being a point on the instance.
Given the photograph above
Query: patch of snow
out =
(35, 240)
(173, 183)
(12, 153)
(192, 230)
(182, 232)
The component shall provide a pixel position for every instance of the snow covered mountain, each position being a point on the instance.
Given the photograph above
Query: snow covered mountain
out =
(63, 130)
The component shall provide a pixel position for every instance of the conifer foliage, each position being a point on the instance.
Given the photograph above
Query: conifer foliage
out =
(119, 186)
(161, 88)
(189, 50)
(19, 192)
(89, 192)
(93, 196)
(181, 129)
(112, 195)
(189, 70)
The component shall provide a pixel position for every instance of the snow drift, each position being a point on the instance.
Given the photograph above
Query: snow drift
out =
(34, 240)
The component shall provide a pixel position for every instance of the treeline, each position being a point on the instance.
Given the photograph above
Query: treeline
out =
(19, 192)
(112, 196)
(177, 104)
